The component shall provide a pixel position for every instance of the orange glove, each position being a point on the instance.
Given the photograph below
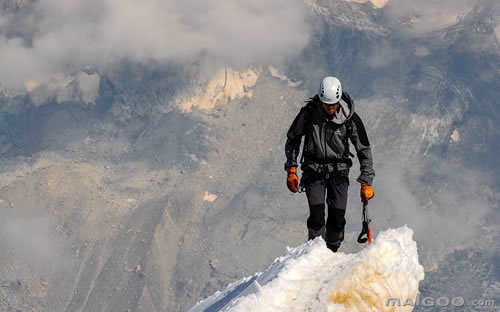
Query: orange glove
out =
(292, 181)
(366, 192)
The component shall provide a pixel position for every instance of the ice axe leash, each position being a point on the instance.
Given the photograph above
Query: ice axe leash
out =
(366, 230)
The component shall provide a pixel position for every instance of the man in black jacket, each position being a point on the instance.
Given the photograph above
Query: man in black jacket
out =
(328, 121)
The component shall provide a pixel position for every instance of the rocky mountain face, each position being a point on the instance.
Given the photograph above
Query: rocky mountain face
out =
(149, 186)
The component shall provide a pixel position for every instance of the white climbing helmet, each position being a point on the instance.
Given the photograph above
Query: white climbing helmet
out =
(330, 90)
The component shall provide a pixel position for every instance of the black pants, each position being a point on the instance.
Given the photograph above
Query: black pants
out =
(335, 189)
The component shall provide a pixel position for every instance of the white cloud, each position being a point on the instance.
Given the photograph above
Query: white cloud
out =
(55, 36)
(65, 88)
(415, 185)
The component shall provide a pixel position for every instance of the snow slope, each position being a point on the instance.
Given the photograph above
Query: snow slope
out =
(312, 278)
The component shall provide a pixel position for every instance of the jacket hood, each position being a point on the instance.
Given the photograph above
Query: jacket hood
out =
(343, 113)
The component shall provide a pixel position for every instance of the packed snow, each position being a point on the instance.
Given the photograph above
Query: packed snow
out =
(381, 277)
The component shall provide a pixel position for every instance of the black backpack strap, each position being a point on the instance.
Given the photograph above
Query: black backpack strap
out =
(309, 107)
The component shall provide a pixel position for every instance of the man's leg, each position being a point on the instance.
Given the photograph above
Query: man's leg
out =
(337, 201)
(315, 192)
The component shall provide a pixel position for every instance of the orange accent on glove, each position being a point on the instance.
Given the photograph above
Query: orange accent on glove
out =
(366, 192)
(292, 181)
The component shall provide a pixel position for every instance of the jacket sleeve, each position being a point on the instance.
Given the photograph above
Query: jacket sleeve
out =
(294, 138)
(359, 139)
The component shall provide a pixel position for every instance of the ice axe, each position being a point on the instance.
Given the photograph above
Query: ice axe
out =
(366, 230)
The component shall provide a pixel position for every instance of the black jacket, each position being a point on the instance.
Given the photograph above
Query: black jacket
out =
(326, 147)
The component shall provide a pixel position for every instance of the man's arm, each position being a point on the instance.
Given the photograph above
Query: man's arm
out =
(294, 137)
(359, 139)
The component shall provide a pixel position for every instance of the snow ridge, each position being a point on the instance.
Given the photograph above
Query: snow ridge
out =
(312, 278)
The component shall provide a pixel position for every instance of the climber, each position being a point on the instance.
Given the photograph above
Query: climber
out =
(328, 122)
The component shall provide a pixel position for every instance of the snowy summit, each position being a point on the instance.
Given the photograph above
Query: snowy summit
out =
(381, 277)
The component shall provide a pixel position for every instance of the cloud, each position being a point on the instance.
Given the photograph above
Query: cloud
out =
(50, 36)
(30, 241)
(445, 200)
(446, 207)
